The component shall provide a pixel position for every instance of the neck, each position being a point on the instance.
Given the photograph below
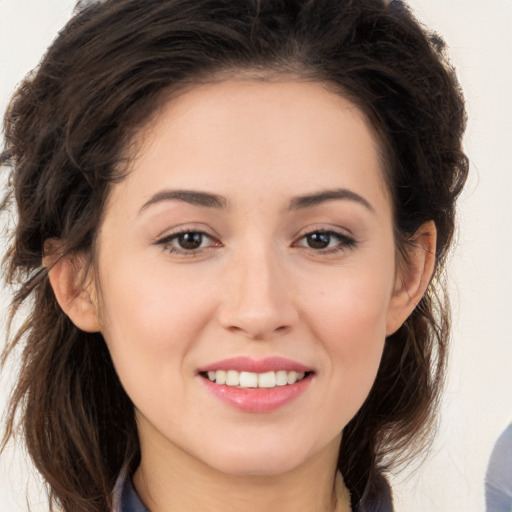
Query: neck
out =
(185, 484)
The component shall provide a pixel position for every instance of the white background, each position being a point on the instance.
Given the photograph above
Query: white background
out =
(478, 400)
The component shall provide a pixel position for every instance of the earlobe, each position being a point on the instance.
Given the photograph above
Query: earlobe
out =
(413, 276)
(74, 293)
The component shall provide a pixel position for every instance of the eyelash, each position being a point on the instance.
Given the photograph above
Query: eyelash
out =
(344, 242)
(167, 241)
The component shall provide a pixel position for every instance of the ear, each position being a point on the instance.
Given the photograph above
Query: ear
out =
(73, 288)
(413, 276)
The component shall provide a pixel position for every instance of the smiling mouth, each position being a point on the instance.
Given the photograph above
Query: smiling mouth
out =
(250, 380)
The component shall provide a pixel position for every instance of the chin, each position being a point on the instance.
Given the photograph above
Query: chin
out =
(258, 459)
(268, 467)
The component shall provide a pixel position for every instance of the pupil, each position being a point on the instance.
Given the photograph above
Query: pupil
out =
(190, 240)
(319, 240)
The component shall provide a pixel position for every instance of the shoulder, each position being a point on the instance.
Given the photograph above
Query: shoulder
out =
(501, 457)
(498, 479)
(378, 499)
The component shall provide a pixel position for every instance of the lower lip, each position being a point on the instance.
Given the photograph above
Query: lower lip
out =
(258, 400)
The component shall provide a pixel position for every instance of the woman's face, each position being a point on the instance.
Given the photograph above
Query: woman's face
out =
(251, 241)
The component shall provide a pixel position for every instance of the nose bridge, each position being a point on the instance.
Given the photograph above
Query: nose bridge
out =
(258, 302)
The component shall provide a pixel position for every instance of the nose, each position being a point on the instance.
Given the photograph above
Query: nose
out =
(258, 296)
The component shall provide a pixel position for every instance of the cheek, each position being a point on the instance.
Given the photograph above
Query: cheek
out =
(348, 318)
(351, 308)
(150, 318)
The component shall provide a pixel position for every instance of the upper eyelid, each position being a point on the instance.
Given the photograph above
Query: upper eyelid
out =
(167, 244)
(179, 230)
(166, 239)
(334, 232)
(339, 231)
(343, 244)
(170, 236)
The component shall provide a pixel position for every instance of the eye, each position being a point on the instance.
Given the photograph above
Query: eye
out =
(190, 241)
(326, 241)
(187, 242)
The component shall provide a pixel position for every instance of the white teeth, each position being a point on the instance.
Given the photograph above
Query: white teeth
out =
(281, 378)
(232, 378)
(267, 380)
(255, 380)
(292, 377)
(220, 377)
(248, 380)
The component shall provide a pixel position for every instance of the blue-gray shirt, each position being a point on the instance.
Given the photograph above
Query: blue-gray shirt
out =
(498, 480)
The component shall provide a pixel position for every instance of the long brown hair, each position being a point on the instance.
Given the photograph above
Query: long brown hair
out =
(67, 130)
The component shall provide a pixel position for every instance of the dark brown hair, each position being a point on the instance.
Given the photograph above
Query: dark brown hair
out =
(66, 134)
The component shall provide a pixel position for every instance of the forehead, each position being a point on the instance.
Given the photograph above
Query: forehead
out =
(233, 135)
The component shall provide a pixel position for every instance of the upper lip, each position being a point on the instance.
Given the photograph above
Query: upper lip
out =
(248, 364)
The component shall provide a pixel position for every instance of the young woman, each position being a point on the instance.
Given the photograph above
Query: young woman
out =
(232, 221)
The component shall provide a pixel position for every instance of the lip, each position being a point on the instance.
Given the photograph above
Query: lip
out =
(248, 364)
(257, 400)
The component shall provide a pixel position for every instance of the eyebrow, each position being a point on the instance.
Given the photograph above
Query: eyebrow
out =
(311, 200)
(208, 200)
(196, 198)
